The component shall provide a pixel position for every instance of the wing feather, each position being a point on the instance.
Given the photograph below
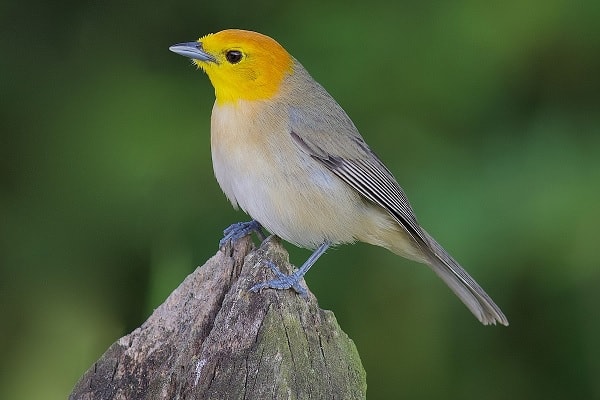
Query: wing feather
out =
(343, 151)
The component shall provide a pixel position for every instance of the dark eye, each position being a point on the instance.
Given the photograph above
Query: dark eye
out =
(233, 56)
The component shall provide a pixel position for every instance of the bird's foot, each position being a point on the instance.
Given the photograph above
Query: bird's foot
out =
(239, 230)
(282, 282)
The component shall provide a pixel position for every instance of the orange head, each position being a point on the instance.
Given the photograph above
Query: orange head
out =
(242, 65)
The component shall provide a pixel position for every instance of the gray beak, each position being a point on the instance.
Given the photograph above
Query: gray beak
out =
(192, 50)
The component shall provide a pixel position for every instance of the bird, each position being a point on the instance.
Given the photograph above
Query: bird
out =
(286, 153)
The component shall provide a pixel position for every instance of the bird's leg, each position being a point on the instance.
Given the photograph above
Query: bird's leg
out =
(241, 229)
(284, 281)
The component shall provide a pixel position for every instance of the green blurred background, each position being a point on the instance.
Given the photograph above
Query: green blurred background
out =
(487, 113)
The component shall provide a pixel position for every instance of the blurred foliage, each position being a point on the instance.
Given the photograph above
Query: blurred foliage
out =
(487, 112)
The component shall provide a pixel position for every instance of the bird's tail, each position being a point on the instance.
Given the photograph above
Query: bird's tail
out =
(463, 285)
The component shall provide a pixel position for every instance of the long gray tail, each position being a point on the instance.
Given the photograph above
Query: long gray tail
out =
(465, 287)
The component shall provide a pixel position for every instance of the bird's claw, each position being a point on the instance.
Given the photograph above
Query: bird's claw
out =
(282, 282)
(240, 229)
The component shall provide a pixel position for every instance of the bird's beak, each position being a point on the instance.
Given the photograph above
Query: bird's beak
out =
(192, 50)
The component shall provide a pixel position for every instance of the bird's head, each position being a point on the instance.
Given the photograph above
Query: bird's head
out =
(242, 65)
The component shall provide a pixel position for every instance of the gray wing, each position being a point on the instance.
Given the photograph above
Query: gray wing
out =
(369, 177)
(343, 151)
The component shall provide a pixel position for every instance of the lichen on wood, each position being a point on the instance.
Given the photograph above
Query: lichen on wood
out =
(213, 339)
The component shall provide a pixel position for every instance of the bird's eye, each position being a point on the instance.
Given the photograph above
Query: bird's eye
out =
(233, 56)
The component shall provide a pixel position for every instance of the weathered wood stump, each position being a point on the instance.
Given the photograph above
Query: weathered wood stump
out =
(213, 339)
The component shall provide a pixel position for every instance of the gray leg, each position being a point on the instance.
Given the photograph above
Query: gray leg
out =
(284, 281)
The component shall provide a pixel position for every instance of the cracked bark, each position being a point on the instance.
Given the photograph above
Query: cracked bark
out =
(212, 339)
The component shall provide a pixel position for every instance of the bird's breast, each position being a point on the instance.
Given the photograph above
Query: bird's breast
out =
(261, 169)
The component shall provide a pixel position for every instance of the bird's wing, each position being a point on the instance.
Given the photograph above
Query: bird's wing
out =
(347, 155)
(330, 137)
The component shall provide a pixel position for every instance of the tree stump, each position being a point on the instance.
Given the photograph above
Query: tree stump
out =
(213, 339)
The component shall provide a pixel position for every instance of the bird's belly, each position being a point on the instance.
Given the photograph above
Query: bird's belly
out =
(293, 197)
(260, 168)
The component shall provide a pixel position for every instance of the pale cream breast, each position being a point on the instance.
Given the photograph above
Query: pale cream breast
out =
(262, 170)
